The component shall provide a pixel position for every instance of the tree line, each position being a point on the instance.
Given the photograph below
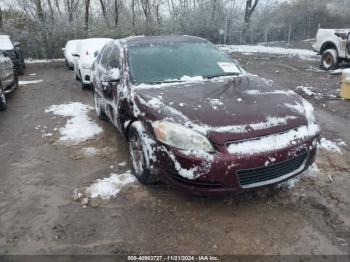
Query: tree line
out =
(43, 26)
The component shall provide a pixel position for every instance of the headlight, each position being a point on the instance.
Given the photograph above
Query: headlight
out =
(181, 137)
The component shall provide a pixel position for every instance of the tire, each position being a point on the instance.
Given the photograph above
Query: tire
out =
(77, 78)
(138, 156)
(329, 59)
(21, 71)
(85, 86)
(15, 81)
(3, 105)
(99, 111)
(70, 68)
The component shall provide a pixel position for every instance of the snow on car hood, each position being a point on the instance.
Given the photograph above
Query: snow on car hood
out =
(231, 109)
(5, 43)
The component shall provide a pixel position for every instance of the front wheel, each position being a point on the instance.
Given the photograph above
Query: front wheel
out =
(85, 86)
(2, 99)
(100, 113)
(139, 156)
(329, 59)
(15, 80)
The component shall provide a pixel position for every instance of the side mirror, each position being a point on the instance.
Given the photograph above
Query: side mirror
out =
(17, 44)
(63, 49)
(96, 53)
(341, 35)
(76, 55)
(114, 75)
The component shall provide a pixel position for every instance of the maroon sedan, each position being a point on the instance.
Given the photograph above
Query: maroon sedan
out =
(196, 120)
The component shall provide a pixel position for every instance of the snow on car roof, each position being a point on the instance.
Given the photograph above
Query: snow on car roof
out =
(5, 43)
(92, 42)
(144, 40)
(72, 43)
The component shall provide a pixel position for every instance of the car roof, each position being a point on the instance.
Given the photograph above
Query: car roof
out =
(146, 40)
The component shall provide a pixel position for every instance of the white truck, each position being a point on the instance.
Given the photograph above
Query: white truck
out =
(334, 47)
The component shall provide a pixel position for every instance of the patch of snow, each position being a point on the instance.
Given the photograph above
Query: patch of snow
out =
(309, 91)
(330, 146)
(109, 187)
(291, 183)
(271, 142)
(114, 73)
(47, 135)
(29, 82)
(312, 171)
(42, 61)
(337, 71)
(275, 92)
(191, 78)
(90, 151)
(215, 103)
(122, 164)
(249, 49)
(80, 127)
(296, 108)
(6, 43)
(33, 74)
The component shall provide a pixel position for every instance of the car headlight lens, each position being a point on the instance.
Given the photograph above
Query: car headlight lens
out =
(181, 137)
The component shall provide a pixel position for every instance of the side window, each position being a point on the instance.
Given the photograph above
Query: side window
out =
(113, 58)
(105, 56)
(98, 58)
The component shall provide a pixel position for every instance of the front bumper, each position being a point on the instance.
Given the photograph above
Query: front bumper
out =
(85, 76)
(227, 173)
(316, 49)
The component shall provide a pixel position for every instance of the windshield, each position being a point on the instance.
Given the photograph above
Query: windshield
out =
(5, 43)
(177, 61)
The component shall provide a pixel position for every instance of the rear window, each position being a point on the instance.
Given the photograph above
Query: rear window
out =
(5, 43)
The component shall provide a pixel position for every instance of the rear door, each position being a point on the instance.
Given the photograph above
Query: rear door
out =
(110, 85)
(2, 70)
(101, 68)
(8, 72)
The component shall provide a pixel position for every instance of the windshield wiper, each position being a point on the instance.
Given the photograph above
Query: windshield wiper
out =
(165, 81)
(220, 75)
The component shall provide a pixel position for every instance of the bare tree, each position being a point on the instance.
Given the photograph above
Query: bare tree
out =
(87, 15)
(58, 7)
(1, 23)
(159, 20)
(39, 11)
(71, 6)
(213, 11)
(133, 14)
(249, 10)
(117, 8)
(52, 13)
(104, 11)
(147, 9)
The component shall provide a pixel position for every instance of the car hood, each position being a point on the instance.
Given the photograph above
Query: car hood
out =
(225, 109)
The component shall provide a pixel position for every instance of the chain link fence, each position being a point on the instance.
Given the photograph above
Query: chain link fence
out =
(267, 35)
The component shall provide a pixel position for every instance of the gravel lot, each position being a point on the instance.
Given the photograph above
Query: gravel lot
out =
(38, 175)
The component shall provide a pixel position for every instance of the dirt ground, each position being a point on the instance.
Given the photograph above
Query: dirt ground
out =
(38, 176)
